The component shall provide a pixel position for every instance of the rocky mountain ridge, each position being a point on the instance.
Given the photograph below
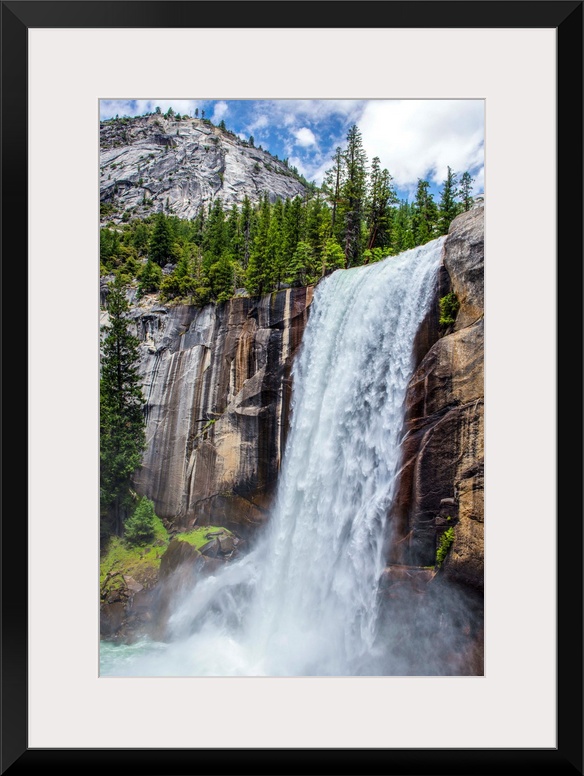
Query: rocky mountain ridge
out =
(155, 163)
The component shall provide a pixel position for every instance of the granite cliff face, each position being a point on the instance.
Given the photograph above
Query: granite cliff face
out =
(217, 385)
(441, 480)
(153, 163)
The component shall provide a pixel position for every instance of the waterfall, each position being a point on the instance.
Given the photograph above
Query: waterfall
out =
(305, 600)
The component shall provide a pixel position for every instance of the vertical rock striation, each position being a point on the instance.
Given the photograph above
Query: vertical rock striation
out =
(441, 479)
(217, 386)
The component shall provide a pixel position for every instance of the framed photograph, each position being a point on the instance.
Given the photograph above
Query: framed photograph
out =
(98, 99)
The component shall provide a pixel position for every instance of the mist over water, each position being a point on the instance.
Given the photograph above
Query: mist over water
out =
(305, 601)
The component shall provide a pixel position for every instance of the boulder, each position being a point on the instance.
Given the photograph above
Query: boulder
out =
(179, 555)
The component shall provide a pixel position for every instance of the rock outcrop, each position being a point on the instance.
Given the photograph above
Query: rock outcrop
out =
(217, 386)
(152, 163)
(441, 479)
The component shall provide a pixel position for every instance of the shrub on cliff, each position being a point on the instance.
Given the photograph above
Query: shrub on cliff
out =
(444, 544)
(449, 305)
(141, 526)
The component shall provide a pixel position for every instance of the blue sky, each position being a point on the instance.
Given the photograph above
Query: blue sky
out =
(412, 138)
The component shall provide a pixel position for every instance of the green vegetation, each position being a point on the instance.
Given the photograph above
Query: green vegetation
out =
(449, 306)
(444, 545)
(354, 218)
(449, 207)
(198, 537)
(122, 436)
(465, 191)
(122, 557)
(140, 528)
(140, 561)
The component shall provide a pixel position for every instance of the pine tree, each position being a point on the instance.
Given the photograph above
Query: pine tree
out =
(425, 214)
(465, 191)
(246, 229)
(317, 225)
(221, 277)
(353, 195)
(378, 211)
(259, 271)
(333, 256)
(402, 235)
(332, 188)
(293, 226)
(198, 227)
(449, 207)
(149, 278)
(122, 436)
(302, 267)
(232, 236)
(160, 248)
(140, 238)
(276, 255)
(140, 528)
(214, 234)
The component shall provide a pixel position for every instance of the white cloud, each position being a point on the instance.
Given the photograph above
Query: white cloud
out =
(305, 137)
(261, 122)
(296, 111)
(421, 138)
(220, 111)
(313, 169)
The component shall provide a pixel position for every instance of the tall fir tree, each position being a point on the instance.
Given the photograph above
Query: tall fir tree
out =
(140, 239)
(402, 233)
(122, 424)
(259, 274)
(302, 268)
(221, 277)
(333, 182)
(449, 207)
(465, 191)
(214, 234)
(160, 248)
(333, 256)
(379, 206)
(317, 225)
(276, 255)
(246, 228)
(425, 214)
(353, 194)
(293, 227)
(149, 278)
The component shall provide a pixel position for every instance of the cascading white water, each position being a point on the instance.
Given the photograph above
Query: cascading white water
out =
(305, 602)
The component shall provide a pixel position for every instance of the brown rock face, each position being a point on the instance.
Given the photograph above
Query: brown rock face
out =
(441, 479)
(217, 384)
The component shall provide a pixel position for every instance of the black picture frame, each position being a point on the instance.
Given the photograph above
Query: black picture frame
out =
(566, 17)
